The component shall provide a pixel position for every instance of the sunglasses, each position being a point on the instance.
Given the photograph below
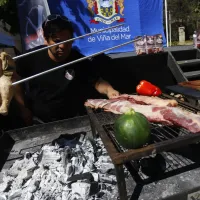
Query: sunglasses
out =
(54, 17)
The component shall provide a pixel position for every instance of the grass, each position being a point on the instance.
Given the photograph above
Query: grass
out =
(187, 42)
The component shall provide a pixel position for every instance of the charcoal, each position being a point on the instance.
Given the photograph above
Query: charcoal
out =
(81, 170)
(77, 163)
(111, 172)
(70, 170)
(90, 156)
(6, 184)
(3, 197)
(107, 179)
(95, 176)
(103, 159)
(105, 167)
(100, 194)
(27, 196)
(28, 155)
(81, 152)
(109, 188)
(94, 189)
(103, 187)
(33, 188)
(65, 195)
(49, 156)
(15, 194)
(65, 157)
(82, 138)
(28, 174)
(98, 153)
(85, 176)
(82, 189)
(89, 166)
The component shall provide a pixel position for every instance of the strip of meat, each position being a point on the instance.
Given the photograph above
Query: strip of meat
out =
(122, 106)
(187, 120)
(146, 100)
(159, 114)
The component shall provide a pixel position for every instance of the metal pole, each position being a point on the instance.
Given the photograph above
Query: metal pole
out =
(47, 7)
(170, 29)
(70, 40)
(73, 62)
(166, 23)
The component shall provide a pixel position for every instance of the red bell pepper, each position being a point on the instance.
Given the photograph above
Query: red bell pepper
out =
(148, 89)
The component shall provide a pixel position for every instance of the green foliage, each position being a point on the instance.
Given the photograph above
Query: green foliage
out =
(3, 2)
(184, 13)
(8, 14)
(175, 43)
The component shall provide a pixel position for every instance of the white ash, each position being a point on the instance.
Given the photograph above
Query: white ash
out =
(55, 173)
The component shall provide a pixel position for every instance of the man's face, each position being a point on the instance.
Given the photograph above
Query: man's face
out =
(60, 52)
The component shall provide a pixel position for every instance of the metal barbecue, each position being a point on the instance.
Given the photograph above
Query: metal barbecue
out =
(164, 138)
(168, 163)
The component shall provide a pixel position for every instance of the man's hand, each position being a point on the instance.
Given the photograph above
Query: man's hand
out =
(112, 93)
(103, 87)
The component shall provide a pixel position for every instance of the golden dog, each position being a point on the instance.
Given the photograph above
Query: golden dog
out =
(7, 68)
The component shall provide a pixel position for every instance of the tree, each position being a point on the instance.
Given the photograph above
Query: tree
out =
(3, 2)
(8, 14)
(184, 13)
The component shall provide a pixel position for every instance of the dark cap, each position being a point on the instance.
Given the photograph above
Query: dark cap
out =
(56, 23)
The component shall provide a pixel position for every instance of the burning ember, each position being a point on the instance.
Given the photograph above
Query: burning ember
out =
(74, 169)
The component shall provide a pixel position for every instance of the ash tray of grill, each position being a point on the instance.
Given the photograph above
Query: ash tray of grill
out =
(153, 166)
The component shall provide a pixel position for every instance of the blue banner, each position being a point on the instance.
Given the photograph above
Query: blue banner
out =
(31, 15)
(6, 40)
(140, 17)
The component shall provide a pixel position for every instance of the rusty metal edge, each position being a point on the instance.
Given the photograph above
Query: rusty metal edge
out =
(157, 148)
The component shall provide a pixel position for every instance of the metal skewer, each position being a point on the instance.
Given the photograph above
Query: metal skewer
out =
(70, 40)
(70, 63)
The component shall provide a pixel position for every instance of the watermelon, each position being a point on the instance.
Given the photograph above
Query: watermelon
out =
(132, 130)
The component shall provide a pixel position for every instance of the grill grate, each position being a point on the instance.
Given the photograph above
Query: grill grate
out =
(174, 162)
(163, 139)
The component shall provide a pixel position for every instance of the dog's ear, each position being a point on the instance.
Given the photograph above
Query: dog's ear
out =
(7, 64)
(8, 59)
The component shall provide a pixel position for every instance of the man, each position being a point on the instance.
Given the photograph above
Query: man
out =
(59, 94)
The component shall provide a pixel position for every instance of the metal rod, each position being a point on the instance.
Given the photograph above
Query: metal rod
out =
(70, 40)
(121, 182)
(170, 29)
(166, 23)
(70, 63)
